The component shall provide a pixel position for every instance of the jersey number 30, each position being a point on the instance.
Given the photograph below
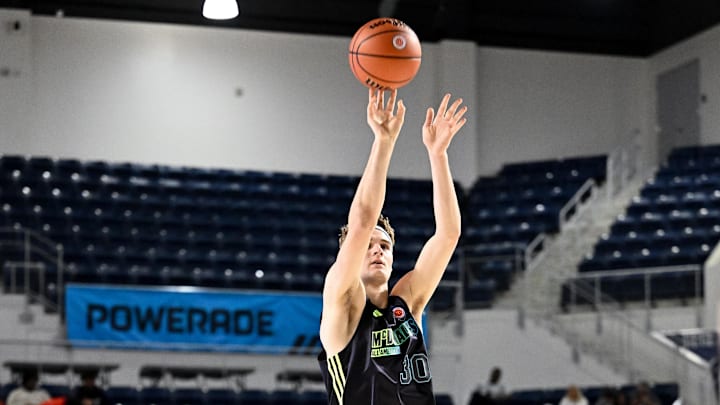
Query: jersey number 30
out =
(415, 368)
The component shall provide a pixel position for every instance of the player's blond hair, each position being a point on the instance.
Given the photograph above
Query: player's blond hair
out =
(382, 222)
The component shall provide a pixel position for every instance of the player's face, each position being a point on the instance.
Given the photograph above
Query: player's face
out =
(380, 253)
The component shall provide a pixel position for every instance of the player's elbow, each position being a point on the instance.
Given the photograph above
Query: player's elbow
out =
(363, 217)
(449, 234)
(451, 240)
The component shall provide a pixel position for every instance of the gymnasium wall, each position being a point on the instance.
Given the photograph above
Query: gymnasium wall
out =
(198, 96)
(704, 48)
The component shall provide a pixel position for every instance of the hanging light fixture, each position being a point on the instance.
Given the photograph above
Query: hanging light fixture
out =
(220, 9)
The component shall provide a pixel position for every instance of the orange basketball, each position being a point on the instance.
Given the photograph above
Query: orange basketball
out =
(385, 54)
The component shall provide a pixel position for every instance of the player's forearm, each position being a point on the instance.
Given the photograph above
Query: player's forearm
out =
(445, 202)
(370, 195)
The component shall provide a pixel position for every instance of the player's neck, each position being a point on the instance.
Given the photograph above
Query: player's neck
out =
(377, 294)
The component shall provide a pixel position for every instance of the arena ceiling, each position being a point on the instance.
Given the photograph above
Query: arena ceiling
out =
(614, 27)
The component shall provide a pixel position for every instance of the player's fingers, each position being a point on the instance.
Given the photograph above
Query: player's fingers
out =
(443, 105)
(429, 116)
(460, 114)
(372, 99)
(459, 125)
(391, 103)
(453, 107)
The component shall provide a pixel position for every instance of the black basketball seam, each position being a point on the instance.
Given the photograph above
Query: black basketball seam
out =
(371, 75)
(385, 56)
(376, 34)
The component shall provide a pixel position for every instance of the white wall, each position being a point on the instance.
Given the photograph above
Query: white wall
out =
(530, 358)
(534, 105)
(15, 75)
(160, 93)
(703, 47)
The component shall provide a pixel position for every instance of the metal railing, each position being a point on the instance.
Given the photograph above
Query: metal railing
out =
(586, 192)
(594, 282)
(612, 335)
(39, 256)
(623, 164)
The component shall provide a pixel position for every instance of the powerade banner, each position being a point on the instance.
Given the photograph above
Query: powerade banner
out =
(189, 318)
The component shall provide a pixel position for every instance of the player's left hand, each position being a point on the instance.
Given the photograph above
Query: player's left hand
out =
(439, 130)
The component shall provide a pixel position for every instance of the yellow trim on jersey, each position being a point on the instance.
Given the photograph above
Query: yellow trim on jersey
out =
(338, 376)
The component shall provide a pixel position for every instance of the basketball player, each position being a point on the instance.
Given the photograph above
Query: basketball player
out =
(373, 347)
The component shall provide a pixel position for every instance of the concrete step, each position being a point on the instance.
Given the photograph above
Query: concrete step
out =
(30, 322)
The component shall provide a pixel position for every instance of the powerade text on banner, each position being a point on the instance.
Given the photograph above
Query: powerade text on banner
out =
(188, 318)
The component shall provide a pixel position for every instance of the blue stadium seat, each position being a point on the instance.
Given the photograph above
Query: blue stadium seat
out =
(254, 397)
(313, 398)
(219, 396)
(123, 395)
(189, 396)
(155, 396)
(284, 397)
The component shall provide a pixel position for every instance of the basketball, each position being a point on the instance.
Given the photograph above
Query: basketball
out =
(384, 54)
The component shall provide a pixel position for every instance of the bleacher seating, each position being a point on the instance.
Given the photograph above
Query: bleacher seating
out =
(123, 395)
(123, 223)
(506, 212)
(703, 343)
(126, 223)
(673, 221)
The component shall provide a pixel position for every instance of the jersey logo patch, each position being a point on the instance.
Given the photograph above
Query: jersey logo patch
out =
(398, 313)
(377, 314)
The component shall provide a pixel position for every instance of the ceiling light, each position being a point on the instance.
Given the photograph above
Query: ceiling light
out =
(220, 9)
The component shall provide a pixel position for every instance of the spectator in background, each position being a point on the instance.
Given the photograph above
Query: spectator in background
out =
(643, 395)
(621, 399)
(492, 393)
(28, 392)
(573, 396)
(88, 393)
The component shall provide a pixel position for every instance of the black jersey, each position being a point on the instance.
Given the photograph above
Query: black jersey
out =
(385, 362)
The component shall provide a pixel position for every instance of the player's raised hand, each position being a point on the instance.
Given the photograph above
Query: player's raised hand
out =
(440, 129)
(382, 117)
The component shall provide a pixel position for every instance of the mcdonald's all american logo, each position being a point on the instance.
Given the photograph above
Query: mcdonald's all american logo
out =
(399, 42)
(398, 313)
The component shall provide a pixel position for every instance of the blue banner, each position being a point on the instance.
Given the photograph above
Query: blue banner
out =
(189, 318)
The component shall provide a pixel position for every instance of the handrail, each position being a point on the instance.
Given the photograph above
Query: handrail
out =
(576, 200)
(681, 268)
(35, 244)
(607, 306)
(623, 165)
(647, 274)
(48, 242)
(533, 250)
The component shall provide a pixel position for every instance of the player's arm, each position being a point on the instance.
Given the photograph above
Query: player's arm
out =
(417, 286)
(343, 293)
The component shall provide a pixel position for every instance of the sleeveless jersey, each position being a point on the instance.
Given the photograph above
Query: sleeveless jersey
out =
(385, 362)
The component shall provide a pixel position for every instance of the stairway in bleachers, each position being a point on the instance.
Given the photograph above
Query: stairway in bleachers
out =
(507, 213)
(541, 287)
(669, 229)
